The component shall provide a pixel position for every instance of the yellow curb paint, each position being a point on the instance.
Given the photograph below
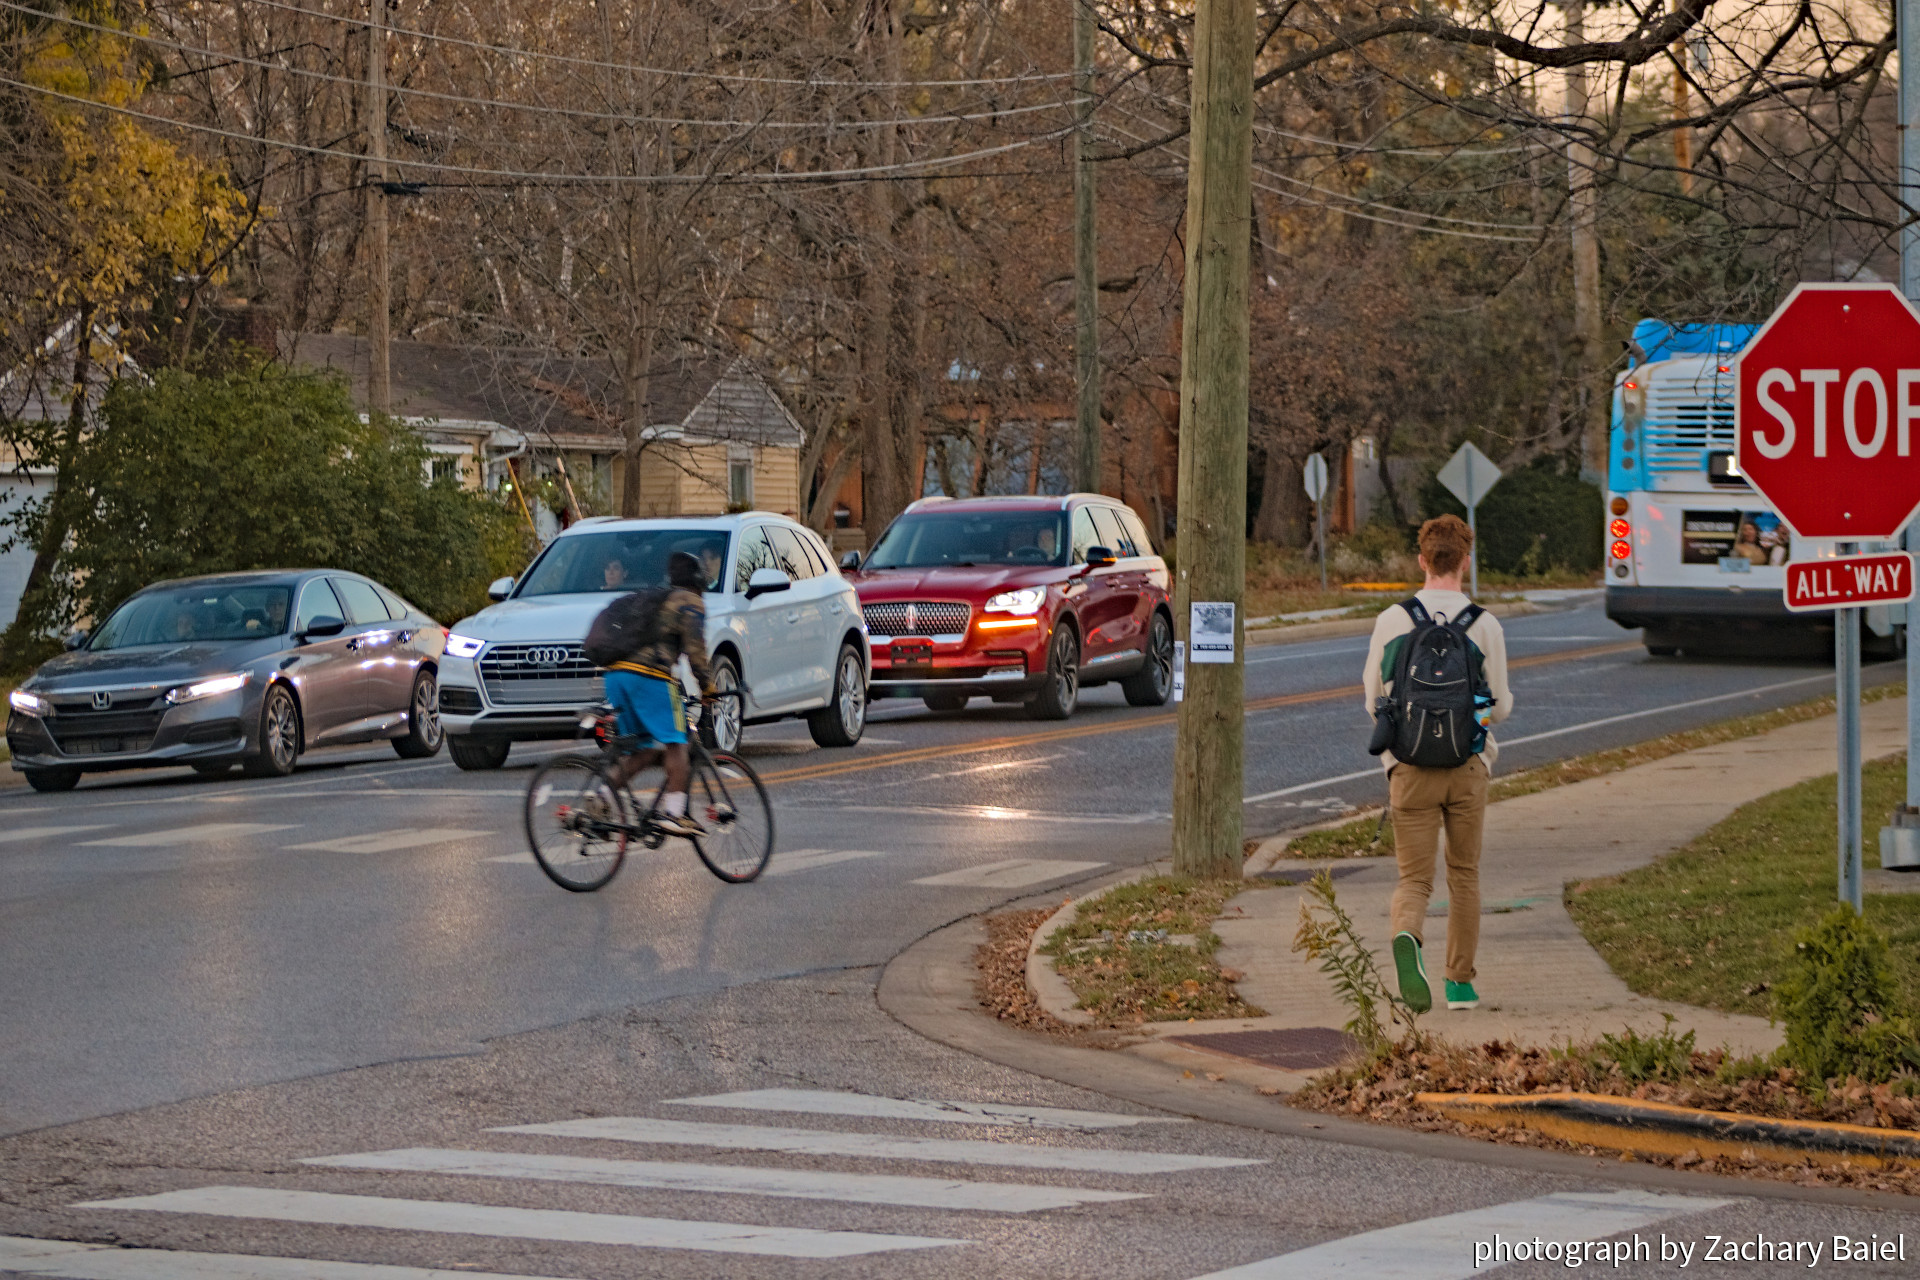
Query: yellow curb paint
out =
(1526, 1111)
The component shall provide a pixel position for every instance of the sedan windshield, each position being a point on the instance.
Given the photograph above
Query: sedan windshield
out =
(188, 615)
(624, 561)
(927, 540)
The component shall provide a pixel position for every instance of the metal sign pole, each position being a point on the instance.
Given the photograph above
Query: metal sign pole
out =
(1846, 653)
(1909, 37)
(1320, 528)
(1473, 527)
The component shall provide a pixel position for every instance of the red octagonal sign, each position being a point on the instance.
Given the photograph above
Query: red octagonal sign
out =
(1828, 416)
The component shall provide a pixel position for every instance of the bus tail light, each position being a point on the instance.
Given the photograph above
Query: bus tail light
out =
(1619, 529)
(1621, 550)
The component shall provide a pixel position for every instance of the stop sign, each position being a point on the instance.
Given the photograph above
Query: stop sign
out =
(1828, 405)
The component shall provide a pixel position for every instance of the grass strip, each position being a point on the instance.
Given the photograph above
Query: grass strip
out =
(1355, 839)
(1712, 923)
(1144, 952)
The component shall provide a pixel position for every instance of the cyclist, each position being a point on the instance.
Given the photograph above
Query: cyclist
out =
(645, 692)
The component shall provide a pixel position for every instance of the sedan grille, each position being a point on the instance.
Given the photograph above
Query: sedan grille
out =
(544, 673)
(129, 725)
(917, 618)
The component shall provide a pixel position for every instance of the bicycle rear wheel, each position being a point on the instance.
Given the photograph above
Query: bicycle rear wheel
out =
(725, 797)
(577, 822)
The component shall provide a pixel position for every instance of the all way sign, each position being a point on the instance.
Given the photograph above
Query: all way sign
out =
(1849, 583)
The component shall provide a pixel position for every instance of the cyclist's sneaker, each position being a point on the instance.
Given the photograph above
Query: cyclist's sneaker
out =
(678, 824)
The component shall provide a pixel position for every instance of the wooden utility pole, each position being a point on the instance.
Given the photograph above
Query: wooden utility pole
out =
(1211, 546)
(379, 301)
(1584, 206)
(1682, 136)
(1086, 284)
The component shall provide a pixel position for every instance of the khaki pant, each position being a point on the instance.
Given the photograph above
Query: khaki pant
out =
(1424, 801)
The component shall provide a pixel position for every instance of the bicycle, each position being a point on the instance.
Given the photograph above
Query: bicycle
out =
(580, 822)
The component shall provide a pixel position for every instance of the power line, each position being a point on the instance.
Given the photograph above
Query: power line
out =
(810, 125)
(521, 177)
(663, 71)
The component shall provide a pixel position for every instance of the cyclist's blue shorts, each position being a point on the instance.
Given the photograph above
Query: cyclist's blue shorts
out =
(649, 708)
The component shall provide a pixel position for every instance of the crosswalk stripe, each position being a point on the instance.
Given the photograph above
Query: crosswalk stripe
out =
(826, 1102)
(205, 831)
(521, 1224)
(1013, 873)
(802, 1184)
(389, 841)
(1444, 1248)
(41, 833)
(70, 1261)
(786, 864)
(872, 1146)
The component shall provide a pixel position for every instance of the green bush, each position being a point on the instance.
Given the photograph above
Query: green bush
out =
(262, 468)
(1837, 1004)
(1538, 518)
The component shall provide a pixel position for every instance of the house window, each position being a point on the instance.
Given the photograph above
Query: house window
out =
(740, 483)
(443, 468)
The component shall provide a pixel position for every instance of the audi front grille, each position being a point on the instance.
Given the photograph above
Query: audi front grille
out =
(544, 673)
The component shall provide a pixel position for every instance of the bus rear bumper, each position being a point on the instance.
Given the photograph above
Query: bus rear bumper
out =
(1664, 608)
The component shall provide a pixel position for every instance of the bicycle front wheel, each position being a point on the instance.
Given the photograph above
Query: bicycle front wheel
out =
(727, 799)
(577, 823)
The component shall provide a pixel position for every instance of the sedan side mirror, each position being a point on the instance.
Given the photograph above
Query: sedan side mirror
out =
(78, 640)
(765, 580)
(850, 562)
(324, 625)
(1100, 557)
(499, 588)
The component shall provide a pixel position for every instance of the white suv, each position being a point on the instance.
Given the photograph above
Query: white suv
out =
(780, 619)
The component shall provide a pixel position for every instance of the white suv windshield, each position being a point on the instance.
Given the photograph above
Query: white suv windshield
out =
(626, 560)
(927, 540)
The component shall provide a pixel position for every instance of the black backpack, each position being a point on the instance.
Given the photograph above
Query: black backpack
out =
(626, 626)
(1436, 676)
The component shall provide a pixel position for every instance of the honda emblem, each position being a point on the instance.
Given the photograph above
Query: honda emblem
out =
(102, 700)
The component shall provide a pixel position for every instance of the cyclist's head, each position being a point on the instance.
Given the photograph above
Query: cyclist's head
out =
(685, 570)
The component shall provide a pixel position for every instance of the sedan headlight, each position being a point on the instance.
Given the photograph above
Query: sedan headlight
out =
(459, 646)
(28, 704)
(1024, 600)
(208, 688)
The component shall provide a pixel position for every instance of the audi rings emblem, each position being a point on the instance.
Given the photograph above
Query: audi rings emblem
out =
(550, 656)
(102, 700)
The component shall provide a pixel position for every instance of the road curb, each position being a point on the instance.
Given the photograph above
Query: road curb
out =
(929, 989)
(1664, 1129)
(1053, 992)
(1338, 628)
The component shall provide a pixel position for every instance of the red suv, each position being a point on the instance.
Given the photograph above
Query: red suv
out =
(1017, 599)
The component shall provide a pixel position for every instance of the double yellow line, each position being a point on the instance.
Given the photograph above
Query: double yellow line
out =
(829, 769)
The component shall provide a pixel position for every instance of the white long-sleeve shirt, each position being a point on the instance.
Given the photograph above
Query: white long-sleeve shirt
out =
(1485, 632)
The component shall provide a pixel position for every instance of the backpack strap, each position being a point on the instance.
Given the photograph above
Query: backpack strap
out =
(1417, 611)
(1467, 617)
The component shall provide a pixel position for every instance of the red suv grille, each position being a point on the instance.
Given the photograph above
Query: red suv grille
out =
(917, 618)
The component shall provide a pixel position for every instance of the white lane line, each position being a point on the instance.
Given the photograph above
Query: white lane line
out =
(991, 813)
(519, 1224)
(203, 832)
(1376, 771)
(1444, 1248)
(108, 1262)
(787, 864)
(390, 841)
(873, 1146)
(1012, 873)
(802, 1184)
(826, 1102)
(42, 833)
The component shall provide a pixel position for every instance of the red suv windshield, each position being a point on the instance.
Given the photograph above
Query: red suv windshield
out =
(931, 539)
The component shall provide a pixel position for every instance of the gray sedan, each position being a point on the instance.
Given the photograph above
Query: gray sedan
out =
(243, 668)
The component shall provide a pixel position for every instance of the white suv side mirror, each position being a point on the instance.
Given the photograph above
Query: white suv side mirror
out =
(764, 580)
(499, 588)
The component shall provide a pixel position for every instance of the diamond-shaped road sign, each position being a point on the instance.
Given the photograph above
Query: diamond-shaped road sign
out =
(1468, 475)
(1829, 392)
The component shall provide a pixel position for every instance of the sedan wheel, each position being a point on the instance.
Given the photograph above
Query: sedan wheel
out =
(1152, 685)
(1061, 693)
(720, 721)
(841, 722)
(424, 734)
(279, 736)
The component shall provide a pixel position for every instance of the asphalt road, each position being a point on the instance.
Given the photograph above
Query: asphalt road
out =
(168, 937)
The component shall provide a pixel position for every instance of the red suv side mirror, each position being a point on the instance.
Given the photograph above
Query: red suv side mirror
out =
(1100, 557)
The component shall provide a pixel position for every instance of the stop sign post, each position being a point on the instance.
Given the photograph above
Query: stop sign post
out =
(1827, 428)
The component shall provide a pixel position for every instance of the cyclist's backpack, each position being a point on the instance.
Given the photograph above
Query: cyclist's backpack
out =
(626, 626)
(1438, 682)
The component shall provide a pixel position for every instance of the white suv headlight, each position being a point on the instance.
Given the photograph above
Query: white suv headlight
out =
(208, 688)
(1024, 600)
(459, 646)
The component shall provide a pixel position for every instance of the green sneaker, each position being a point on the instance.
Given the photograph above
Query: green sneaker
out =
(1413, 973)
(1461, 995)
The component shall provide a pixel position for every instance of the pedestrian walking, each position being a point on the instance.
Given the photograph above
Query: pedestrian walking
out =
(1436, 679)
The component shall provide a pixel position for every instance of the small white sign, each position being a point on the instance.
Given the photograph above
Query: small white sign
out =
(1210, 637)
(1315, 476)
(1179, 670)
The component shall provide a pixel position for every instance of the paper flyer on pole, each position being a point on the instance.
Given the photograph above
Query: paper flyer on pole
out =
(1210, 638)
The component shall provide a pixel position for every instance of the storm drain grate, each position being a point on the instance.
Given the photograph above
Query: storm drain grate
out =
(1291, 1048)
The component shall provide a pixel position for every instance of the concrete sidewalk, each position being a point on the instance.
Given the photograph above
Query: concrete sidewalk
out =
(1539, 980)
